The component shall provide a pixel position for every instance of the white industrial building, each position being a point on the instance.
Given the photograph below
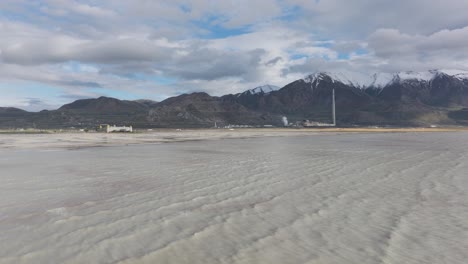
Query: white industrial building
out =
(110, 129)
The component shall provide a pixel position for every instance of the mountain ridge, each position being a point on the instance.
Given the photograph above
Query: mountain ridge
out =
(407, 98)
(380, 80)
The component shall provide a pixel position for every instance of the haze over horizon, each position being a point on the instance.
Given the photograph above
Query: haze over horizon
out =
(56, 51)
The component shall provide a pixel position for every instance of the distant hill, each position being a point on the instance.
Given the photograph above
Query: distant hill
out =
(201, 109)
(11, 117)
(146, 102)
(400, 99)
(104, 104)
(6, 110)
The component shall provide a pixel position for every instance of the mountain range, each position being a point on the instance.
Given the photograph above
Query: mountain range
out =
(398, 99)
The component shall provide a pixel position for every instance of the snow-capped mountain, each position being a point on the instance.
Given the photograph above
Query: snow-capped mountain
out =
(352, 79)
(402, 98)
(380, 80)
(264, 89)
(461, 76)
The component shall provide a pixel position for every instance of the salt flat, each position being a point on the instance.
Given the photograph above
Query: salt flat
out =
(325, 198)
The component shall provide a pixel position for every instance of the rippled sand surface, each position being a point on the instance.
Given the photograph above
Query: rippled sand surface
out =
(349, 198)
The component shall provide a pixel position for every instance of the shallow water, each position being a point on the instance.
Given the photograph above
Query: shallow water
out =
(351, 198)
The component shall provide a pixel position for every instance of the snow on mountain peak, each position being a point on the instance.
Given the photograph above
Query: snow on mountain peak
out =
(461, 75)
(420, 76)
(263, 89)
(355, 79)
(379, 80)
(319, 76)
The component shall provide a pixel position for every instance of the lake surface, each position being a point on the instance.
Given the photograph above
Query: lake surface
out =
(350, 198)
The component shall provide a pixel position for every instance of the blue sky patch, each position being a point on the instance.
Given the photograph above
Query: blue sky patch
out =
(215, 30)
(298, 56)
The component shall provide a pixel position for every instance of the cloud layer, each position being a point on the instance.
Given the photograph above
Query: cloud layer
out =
(155, 49)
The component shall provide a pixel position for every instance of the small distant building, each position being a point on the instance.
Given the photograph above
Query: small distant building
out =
(111, 129)
(307, 123)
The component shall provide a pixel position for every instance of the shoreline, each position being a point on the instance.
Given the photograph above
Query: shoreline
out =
(78, 140)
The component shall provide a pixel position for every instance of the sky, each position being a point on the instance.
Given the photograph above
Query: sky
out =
(53, 52)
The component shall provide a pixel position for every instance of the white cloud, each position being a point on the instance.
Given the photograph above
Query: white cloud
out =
(341, 18)
(111, 42)
(443, 49)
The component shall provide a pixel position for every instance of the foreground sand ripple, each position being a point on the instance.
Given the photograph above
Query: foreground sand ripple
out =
(349, 198)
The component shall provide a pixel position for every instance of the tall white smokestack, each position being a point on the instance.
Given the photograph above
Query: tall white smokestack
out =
(333, 107)
(285, 121)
